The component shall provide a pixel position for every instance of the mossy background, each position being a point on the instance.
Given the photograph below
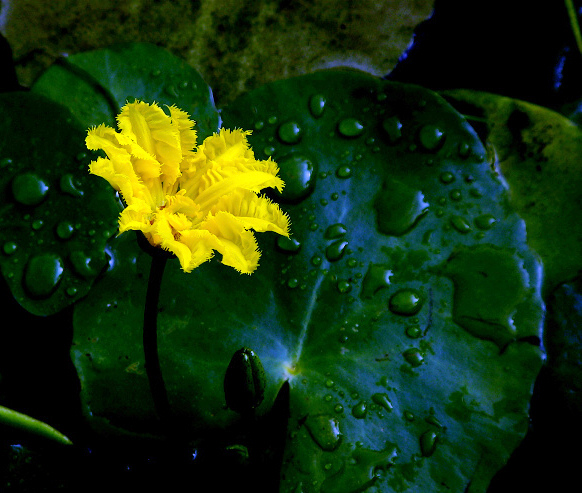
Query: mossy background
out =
(235, 45)
(528, 53)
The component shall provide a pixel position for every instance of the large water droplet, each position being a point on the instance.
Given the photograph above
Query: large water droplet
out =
(360, 410)
(70, 186)
(428, 441)
(406, 302)
(382, 400)
(335, 231)
(290, 133)
(84, 265)
(317, 105)
(393, 128)
(325, 431)
(398, 208)
(485, 221)
(431, 137)
(413, 356)
(336, 250)
(298, 172)
(10, 247)
(350, 127)
(29, 189)
(288, 245)
(43, 274)
(460, 224)
(377, 277)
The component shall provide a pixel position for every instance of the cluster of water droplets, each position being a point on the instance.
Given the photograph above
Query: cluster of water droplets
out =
(42, 239)
(444, 190)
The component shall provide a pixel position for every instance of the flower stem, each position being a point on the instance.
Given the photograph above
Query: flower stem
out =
(150, 339)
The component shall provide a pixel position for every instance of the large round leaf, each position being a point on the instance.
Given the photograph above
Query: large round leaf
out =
(405, 312)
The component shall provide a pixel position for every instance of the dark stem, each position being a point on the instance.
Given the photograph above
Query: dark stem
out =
(150, 339)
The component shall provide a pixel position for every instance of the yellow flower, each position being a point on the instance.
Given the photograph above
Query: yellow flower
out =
(186, 199)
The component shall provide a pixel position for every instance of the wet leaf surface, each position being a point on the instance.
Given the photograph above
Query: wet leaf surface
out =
(55, 219)
(407, 367)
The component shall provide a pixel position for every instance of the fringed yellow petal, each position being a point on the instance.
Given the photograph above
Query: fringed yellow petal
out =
(254, 212)
(222, 182)
(201, 244)
(119, 169)
(182, 123)
(138, 120)
(182, 204)
(153, 130)
(136, 216)
(227, 145)
(166, 237)
(238, 246)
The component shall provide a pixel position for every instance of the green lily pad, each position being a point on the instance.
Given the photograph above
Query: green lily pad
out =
(408, 329)
(55, 219)
(540, 156)
(94, 85)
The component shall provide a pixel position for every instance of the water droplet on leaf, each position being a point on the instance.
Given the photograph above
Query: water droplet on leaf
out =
(10, 247)
(455, 195)
(343, 171)
(360, 410)
(269, 150)
(335, 231)
(414, 331)
(398, 208)
(485, 221)
(447, 177)
(70, 186)
(350, 127)
(428, 441)
(298, 172)
(406, 302)
(84, 265)
(29, 189)
(317, 105)
(377, 277)
(382, 400)
(431, 137)
(460, 224)
(413, 356)
(290, 133)
(37, 224)
(43, 274)
(288, 245)
(344, 286)
(325, 431)
(336, 250)
(65, 230)
(393, 128)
